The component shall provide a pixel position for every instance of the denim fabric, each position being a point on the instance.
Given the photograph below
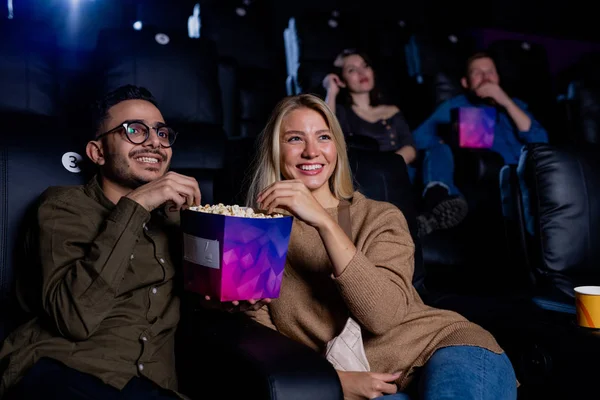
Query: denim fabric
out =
(465, 373)
(437, 167)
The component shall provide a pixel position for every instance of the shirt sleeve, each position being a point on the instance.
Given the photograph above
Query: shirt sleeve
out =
(426, 135)
(82, 264)
(377, 283)
(536, 132)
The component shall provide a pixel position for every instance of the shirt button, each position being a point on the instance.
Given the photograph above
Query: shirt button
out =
(162, 260)
(144, 339)
(141, 367)
(154, 290)
(392, 143)
(131, 257)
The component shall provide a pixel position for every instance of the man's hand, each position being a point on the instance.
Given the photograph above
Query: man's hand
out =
(234, 306)
(494, 91)
(178, 190)
(367, 385)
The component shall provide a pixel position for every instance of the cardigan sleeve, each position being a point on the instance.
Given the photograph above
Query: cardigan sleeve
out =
(377, 283)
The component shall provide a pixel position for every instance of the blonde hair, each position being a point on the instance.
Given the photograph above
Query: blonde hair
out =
(267, 164)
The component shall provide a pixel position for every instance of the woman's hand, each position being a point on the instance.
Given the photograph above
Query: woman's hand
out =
(332, 84)
(367, 385)
(294, 196)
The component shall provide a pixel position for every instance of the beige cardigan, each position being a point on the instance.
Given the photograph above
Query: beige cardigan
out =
(400, 332)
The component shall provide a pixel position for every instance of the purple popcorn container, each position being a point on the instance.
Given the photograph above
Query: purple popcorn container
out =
(234, 258)
(476, 127)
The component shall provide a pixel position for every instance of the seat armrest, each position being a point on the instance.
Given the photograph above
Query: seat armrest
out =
(241, 358)
(477, 166)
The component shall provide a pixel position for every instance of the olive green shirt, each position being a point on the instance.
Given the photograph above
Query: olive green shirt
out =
(109, 304)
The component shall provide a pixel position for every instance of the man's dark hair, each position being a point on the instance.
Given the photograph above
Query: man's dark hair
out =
(375, 96)
(476, 56)
(123, 93)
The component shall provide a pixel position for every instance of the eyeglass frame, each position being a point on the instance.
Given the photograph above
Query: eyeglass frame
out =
(125, 125)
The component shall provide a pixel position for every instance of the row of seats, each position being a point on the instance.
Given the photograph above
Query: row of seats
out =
(418, 70)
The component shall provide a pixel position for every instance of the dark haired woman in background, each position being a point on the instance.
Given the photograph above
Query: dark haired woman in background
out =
(352, 94)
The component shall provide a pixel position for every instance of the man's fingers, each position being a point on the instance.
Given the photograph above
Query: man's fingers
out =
(192, 190)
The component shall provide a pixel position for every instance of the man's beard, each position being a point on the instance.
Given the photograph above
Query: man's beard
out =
(118, 169)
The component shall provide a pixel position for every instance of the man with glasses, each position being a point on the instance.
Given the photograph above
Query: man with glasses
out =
(108, 311)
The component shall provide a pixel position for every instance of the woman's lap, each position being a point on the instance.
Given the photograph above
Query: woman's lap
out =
(465, 372)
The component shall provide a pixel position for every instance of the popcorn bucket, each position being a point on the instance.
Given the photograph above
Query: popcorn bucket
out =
(234, 257)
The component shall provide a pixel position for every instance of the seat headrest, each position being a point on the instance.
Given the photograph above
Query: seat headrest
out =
(312, 28)
(181, 73)
(245, 38)
(27, 71)
(199, 146)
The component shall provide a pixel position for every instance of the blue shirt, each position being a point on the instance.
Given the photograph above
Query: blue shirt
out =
(508, 140)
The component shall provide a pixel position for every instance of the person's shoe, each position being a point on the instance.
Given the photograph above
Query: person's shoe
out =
(442, 211)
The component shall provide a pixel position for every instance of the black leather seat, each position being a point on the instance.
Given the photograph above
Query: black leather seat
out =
(182, 74)
(552, 215)
(583, 104)
(245, 43)
(28, 69)
(311, 41)
(560, 192)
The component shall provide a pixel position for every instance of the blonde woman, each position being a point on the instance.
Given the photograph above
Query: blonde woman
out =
(363, 271)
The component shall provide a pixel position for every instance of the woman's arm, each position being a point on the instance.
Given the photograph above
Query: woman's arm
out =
(409, 153)
(376, 284)
(332, 84)
(375, 281)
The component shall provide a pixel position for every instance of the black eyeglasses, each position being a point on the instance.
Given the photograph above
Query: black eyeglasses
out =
(137, 133)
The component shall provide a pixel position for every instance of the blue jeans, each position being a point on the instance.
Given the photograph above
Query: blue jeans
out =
(437, 167)
(465, 373)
